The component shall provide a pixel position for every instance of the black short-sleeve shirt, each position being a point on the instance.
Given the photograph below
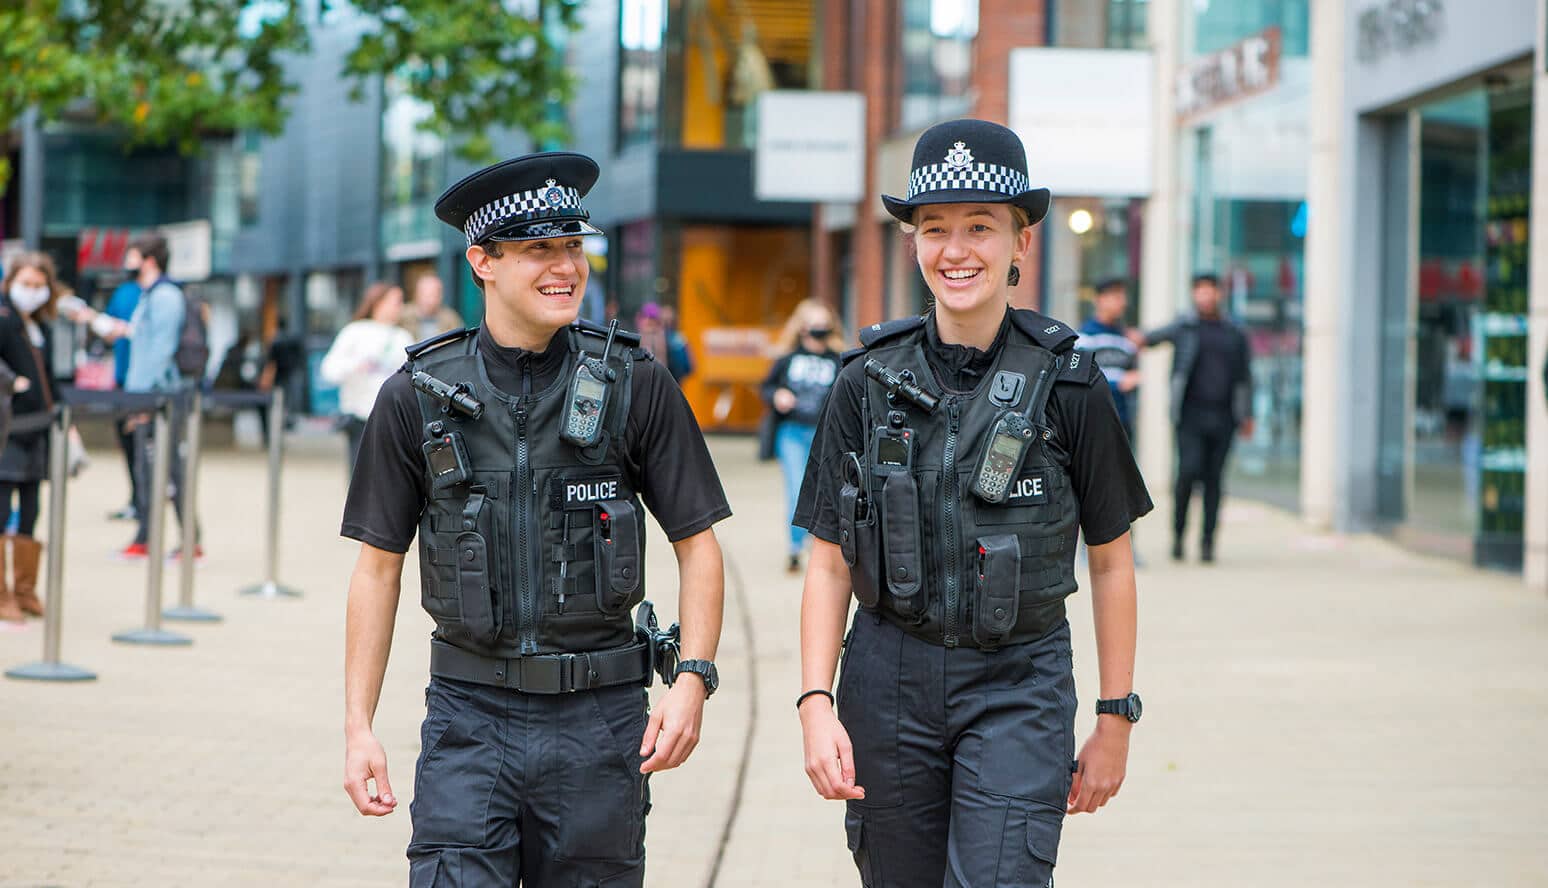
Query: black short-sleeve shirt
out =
(1102, 470)
(664, 450)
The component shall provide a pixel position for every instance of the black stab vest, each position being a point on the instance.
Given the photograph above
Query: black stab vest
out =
(543, 549)
(923, 550)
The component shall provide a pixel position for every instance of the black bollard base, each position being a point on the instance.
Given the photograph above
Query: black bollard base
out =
(152, 636)
(271, 589)
(191, 615)
(50, 672)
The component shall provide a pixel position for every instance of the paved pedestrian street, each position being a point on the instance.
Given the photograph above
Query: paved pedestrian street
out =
(1319, 711)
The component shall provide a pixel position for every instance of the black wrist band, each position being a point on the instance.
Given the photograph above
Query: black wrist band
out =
(812, 693)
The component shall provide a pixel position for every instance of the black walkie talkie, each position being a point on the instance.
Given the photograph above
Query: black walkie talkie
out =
(587, 400)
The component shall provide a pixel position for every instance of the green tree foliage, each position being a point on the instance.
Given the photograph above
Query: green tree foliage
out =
(173, 71)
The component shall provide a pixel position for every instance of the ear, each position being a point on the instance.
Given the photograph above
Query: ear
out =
(1023, 244)
(481, 262)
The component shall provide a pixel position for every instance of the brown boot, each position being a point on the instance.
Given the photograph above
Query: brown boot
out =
(25, 552)
(9, 612)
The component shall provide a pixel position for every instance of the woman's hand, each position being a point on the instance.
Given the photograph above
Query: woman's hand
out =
(1103, 762)
(21, 384)
(830, 759)
(784, 400)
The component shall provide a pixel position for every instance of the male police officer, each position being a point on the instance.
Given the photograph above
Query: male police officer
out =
(521, 452)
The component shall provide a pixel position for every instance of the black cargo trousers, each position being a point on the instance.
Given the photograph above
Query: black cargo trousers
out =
(532, 789)
(965, 756)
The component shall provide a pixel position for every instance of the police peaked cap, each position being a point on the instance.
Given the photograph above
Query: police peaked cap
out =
(969, 161)
(531, 197)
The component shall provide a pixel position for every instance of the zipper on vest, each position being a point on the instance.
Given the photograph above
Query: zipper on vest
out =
(951, 601)
(526, 611)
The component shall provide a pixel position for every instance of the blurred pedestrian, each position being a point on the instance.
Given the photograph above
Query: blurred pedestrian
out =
(954, 462)
(367, 351)
(1211, 403)
(662, 339)
(429, 315)
(121, 305)
(31, 289)
(1103, 336)
(157, 329)
(795, 389)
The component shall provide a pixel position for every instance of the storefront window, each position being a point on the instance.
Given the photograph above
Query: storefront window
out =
(937, 59)
(639, 70)
(412, 160)
(1212, 25)
(1090, 240)
(1115, 24)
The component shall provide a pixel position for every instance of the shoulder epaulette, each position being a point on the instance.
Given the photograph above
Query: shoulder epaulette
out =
(1078, 367)
(438, 340)
(876, 334)
(591, 328)
(850, 355)
(1044, 330)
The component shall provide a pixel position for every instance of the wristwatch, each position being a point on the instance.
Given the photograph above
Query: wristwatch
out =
(1129, 707)
(705, 670)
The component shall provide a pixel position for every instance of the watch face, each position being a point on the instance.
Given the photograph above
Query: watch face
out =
(1135, 707)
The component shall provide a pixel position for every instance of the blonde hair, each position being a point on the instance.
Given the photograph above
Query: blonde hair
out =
(795, 324)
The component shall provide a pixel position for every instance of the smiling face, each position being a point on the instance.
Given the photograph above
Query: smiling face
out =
(536, 285)
(965, 253)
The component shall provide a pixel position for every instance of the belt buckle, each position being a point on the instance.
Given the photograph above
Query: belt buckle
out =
(541, 675)
(577, 673)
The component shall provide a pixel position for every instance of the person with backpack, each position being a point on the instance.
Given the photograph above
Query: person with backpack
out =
(170, 345)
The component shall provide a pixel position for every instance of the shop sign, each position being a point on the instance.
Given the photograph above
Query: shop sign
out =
(811, 146)
(188, 250)
(1397, 26)
(100, 249)
(1237, 72)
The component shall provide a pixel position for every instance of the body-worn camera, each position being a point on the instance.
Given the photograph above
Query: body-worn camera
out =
(892, 449)
(586, 402)
(446, 456)
(1001, 457)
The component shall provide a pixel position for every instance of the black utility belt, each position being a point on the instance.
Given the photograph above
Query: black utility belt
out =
(1032, 624)
(544, 673)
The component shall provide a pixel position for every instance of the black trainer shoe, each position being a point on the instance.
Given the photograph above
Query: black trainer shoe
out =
(794, 565)
(1207, 552)
(1177, 550)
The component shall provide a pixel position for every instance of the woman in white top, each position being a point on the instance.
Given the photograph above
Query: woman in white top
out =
(367, 351)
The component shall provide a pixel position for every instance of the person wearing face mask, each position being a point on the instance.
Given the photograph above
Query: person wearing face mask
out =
(795, 389)
(30, 290)
(958, 456)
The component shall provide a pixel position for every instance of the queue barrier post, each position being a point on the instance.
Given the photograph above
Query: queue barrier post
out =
(156, 501)
(51, 668)
(270, 587)
(185, 610)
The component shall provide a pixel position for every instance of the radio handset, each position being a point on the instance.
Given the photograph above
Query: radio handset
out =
(590, 385)
(1001, 456)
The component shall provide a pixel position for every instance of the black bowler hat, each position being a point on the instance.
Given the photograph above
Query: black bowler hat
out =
(969, 161)
(531, 197)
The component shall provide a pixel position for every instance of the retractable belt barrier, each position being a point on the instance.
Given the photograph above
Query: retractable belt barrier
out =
(270, 586)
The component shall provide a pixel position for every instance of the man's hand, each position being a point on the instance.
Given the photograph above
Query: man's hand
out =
(1129, 382)
(784, 400)
(21, 384)
(830, 758)
(673, 729)
(364, 759)
(1246, 428)
(1103, 762)
(1135, 336)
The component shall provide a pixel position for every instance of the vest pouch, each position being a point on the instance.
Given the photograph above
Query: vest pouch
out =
(858, 543)
(995, 583)
(616, 538)
(900, 537)
(473, 596)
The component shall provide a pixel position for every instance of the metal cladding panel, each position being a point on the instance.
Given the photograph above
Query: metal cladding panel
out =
(717, 186)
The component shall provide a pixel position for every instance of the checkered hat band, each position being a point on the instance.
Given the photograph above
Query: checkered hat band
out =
(522, 206)
(972, 177)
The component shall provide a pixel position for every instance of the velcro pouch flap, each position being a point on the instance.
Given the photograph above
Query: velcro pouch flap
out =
(900, 539)
(849, 496)
(995, 588)
(618, 554)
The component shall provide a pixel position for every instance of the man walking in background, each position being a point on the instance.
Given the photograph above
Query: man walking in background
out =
(1103, 336)
(1211, 401)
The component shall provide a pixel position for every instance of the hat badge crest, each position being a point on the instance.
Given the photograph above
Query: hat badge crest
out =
(553, 195)
(959, 156)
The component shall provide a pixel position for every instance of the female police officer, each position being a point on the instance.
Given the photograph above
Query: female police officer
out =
(520, 452)
(956, 458)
